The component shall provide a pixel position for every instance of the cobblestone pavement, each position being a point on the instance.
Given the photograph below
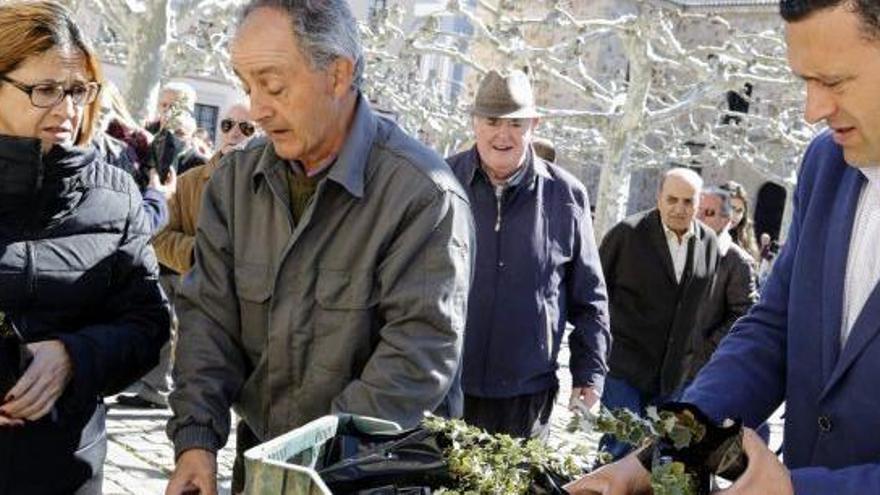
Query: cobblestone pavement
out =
(140, 457)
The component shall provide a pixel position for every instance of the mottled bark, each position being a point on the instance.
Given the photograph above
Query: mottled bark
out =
(146, 58)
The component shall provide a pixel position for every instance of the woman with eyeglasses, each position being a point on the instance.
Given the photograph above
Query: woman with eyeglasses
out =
(174, 243)
(81, 312)
(741, 226)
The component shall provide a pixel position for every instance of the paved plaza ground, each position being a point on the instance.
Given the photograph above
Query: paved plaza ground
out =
(140, 457)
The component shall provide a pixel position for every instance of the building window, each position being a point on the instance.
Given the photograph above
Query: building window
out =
(206, 118)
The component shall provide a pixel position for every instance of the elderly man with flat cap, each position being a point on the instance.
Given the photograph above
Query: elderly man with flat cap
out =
(537, 268)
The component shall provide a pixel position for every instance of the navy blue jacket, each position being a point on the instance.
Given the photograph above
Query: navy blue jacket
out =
(537, 271)
(788, 346)
(122, 155)
(76, 266)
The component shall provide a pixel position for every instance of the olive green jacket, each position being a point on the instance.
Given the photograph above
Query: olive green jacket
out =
(360, 308)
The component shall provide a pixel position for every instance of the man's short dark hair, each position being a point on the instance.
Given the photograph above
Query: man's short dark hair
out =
(867, 10)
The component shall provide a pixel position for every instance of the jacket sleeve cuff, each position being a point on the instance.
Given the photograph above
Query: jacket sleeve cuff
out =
(812, 481)
(597, 381)
(195, 437)
(83, 387)
(156, 208)
(153, 194)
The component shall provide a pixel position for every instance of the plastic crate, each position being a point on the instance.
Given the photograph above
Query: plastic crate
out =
(285, 465)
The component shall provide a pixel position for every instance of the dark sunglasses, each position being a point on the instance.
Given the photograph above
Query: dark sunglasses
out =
(245, 127)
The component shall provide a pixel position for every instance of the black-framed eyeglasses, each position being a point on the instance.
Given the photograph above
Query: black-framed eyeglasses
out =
(47, 95)
(244, 126)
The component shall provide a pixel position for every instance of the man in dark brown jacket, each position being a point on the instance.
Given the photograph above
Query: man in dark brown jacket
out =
(733, 289)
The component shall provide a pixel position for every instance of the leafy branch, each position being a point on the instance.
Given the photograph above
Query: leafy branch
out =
(681, 429)
(487, 464)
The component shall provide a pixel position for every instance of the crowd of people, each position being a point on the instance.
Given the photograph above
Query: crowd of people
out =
(323, 261)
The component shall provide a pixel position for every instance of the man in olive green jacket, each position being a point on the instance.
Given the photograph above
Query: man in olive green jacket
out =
(333, 258)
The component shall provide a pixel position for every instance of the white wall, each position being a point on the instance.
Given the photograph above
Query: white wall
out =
(360, 8)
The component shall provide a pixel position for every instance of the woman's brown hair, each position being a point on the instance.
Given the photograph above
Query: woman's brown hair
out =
(744, 233)
(30, 28)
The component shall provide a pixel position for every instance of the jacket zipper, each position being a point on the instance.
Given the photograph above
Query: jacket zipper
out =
(31, 269)
(499, 194)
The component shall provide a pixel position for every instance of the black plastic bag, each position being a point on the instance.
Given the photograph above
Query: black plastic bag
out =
(548, 483)
(412, 460)
(719, 452)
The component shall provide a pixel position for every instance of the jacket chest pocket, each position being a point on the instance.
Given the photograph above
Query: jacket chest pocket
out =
(557, 243)
(254, 288)
(345, 320)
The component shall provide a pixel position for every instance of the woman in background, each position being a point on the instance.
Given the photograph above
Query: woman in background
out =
(741, 228)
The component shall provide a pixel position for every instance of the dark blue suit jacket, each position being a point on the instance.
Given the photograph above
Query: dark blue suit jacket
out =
(788, 346)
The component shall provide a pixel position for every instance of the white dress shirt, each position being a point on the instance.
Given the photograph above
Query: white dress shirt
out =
(863, 261)
(678, 248)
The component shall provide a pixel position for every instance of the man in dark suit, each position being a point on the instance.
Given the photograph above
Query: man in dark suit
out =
(733, 290)
(658, 266)
(811, 340)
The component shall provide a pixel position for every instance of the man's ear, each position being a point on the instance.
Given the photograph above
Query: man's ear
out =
(341, 75)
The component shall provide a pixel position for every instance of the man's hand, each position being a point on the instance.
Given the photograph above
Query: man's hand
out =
(765, 475)
(196, 472)
(167, 187)
(624, 477)
(45, 379)
(586, 396)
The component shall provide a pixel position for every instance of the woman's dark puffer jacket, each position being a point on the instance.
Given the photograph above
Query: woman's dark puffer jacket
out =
(75, 265)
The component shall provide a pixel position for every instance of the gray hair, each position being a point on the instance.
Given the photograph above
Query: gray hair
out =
(185, 90)
(685, 174)
(324, 29)
(724, 196)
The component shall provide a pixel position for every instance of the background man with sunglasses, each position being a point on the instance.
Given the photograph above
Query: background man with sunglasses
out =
(733, 289)
(235, 128)
(174, 243)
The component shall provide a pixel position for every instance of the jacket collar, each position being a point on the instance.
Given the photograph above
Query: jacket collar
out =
(537, 167)
(724, 243)
(211, 166)
(671, 235)
(25, 170)
(657, 235)
(351, 162)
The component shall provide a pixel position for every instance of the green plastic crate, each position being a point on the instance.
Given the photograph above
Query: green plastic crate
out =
(285, 465)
